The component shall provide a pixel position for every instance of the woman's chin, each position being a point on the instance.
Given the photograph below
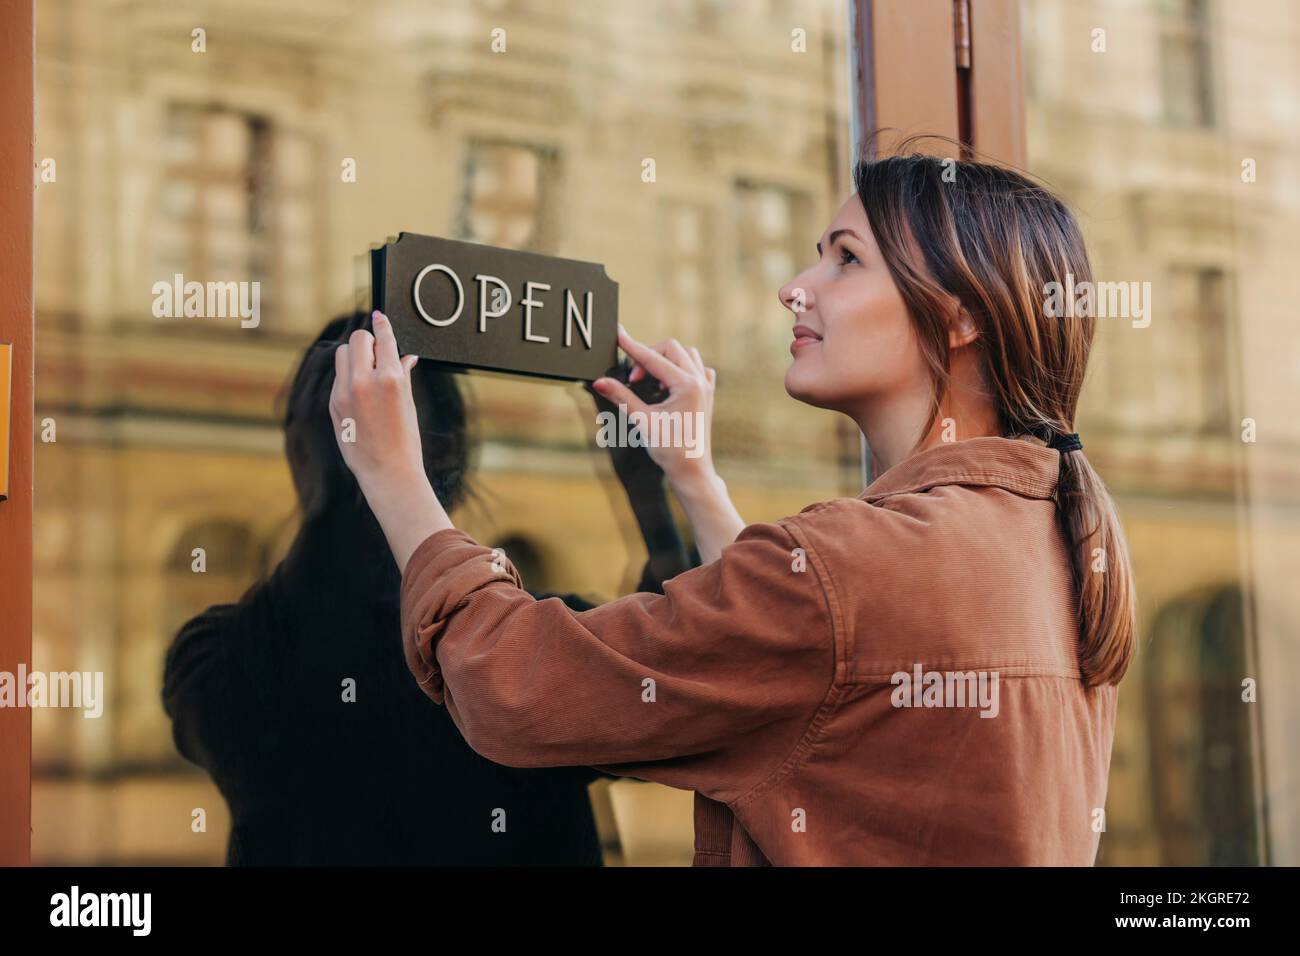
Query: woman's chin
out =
(804, 384)
(800, 385)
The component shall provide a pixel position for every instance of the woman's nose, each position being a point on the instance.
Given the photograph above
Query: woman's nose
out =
(795, 296)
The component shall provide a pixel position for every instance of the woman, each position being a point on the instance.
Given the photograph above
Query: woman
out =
(923, 674)
(297, 699)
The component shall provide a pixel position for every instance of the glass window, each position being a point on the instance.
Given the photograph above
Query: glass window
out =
(1190, 411)
(233, 165)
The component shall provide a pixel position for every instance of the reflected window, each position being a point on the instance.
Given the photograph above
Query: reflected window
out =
(1191, 342)
(1201, 747)
(213, 198)
(235, 205)
(1199, 304)
(770, 222)
(502, 195)
(1185, 62)
(687, 298)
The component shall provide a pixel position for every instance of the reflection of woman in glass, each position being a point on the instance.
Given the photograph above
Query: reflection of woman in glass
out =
(923, 674)
(297, 699)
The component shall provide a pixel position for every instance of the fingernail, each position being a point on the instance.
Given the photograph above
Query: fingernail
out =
(599, 383)
(379, 317)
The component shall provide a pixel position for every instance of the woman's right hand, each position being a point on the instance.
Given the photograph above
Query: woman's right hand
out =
(688, 466)
(687, 462)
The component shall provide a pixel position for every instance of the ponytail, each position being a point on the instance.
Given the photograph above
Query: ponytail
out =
(1103, 574)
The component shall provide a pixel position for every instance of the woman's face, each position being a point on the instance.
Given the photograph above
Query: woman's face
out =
(853, 342)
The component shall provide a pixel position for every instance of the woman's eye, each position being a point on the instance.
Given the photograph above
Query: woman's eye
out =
(846, 257)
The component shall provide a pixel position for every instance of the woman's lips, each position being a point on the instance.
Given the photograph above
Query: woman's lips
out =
(803, 337)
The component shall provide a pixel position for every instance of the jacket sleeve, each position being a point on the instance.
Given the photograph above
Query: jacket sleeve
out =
(709, 686)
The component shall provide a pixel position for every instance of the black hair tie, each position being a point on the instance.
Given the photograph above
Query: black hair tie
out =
(1064, 443)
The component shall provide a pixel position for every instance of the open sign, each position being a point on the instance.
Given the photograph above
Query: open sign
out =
(476, 306)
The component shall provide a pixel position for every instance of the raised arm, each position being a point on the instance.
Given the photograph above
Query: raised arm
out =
(689, 385)
(646, 488)
(708, 686)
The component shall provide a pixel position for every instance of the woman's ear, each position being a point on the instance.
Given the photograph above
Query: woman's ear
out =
(961, 329)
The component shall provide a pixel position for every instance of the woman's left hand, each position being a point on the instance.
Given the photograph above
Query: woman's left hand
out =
(374, 412)
(379, 435)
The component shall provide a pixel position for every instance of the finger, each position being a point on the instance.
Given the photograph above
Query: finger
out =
(386, 355)
(656, 364)
(678, 358)
(675, 351)
(638, 371)
(619, 394)
(361, 349)
(699, 360)
(408, 362)
(712, 373)
(342, 367)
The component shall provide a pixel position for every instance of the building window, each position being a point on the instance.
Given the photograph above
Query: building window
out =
(768, 220)
(1185, 62)
(687, 296)
(503, 195)
(213, 199)
(1200, 746)
(1200, 302)
(1190, 342)
(235, 205)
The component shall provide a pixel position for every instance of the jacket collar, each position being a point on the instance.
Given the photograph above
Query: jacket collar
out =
(1021, 466)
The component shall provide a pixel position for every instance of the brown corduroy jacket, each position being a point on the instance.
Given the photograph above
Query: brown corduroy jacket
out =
(890, 679)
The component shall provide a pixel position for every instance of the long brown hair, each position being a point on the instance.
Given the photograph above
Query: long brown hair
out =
(994, 239)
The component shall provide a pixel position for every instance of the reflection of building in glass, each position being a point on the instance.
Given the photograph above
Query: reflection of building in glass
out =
(227, 165)
(235, 202)
(211, 205)
(1201, 774)
(773, 231)
(1184, 37)
(234, 165)
(689, 263)
(1149, 142)
(504, 189)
